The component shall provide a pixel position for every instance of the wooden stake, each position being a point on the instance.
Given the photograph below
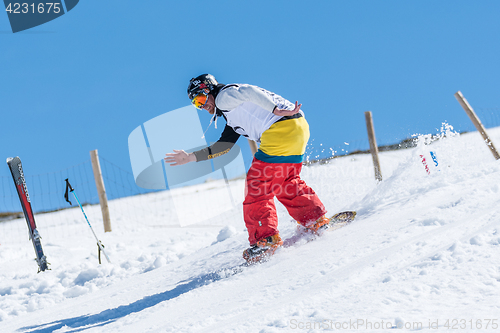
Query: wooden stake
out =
(99, 183)
(373, 145)
(253, 146)
(477, 123)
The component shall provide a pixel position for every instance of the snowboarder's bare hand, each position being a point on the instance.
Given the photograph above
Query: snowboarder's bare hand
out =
(179, 157)
(284, 112)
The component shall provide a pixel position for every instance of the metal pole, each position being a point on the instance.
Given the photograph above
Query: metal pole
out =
(101, 248)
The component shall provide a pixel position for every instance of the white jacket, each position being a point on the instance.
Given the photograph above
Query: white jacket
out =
(249, 109)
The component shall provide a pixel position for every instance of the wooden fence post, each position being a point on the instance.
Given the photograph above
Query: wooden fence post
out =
(99, 183)
(373, 145)
(477, 123)
(253, 146)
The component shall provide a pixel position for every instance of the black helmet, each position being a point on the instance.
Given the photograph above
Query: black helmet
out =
(200, 83)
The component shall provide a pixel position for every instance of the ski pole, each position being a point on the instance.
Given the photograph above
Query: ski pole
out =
(99, 244)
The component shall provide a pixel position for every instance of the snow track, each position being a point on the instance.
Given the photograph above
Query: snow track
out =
(423, 249)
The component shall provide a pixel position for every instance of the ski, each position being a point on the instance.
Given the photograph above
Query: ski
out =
(16, 169)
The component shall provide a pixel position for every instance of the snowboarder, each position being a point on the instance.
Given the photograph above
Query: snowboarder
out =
(282, 131)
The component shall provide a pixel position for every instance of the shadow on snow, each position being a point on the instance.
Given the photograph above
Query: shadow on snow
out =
(77, 324)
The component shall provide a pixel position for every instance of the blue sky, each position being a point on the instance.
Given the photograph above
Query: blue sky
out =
(87, 79)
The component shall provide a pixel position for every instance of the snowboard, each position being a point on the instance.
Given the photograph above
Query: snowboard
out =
(303, 235)
(337, 221)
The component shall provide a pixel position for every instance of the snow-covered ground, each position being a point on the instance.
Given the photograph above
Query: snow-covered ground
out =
(422, 254)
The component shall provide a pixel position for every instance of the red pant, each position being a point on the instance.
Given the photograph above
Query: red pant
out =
(265, 181)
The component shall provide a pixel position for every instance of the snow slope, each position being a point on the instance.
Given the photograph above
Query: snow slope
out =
(422, 255)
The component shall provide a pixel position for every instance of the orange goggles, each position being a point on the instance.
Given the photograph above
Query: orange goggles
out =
(200, 100)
